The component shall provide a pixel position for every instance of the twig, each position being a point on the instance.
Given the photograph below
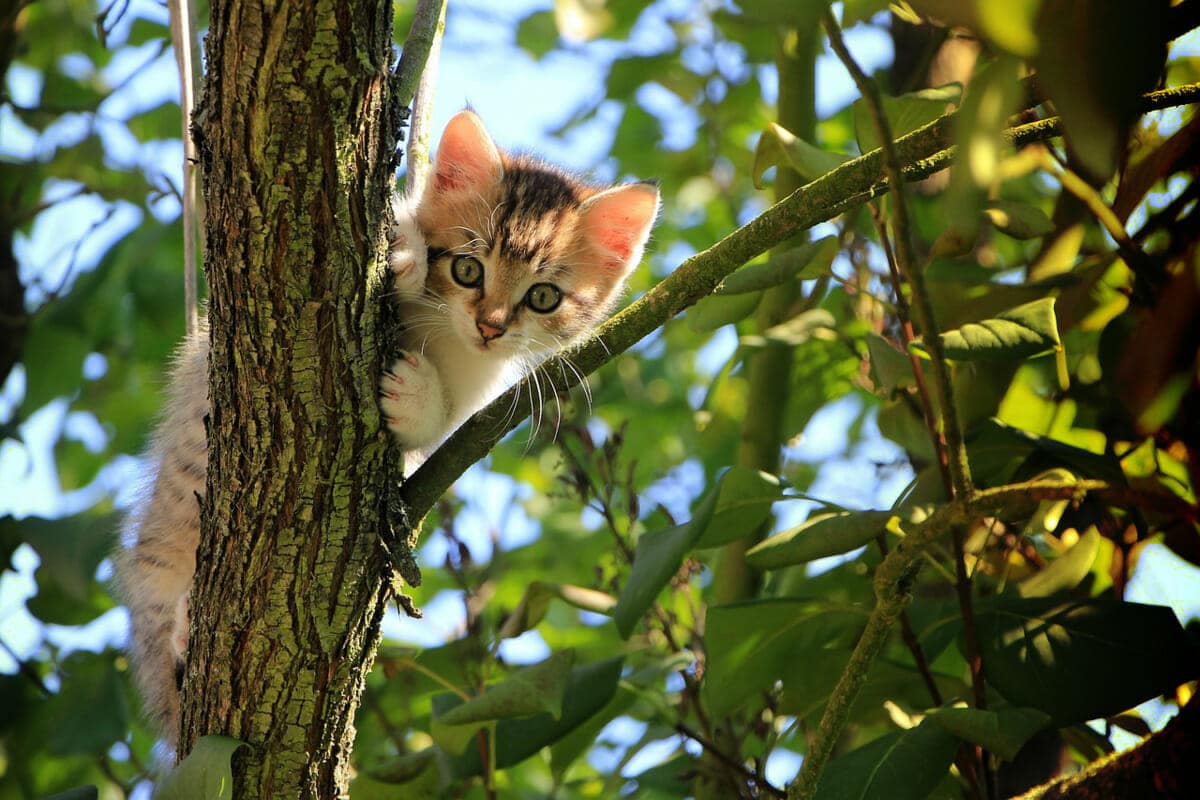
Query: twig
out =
(924, 151)
(717, 753)
(187, 59)
(953, 451)
(422, 104)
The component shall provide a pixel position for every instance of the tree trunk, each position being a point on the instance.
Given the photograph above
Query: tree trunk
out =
(296, 137)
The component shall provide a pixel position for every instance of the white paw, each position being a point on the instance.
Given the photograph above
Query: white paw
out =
(179, 630)
(410, 395)
(407, 251)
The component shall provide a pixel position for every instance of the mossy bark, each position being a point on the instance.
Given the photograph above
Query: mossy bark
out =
(296, 139)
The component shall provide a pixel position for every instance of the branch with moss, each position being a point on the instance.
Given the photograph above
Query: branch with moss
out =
(922, 153)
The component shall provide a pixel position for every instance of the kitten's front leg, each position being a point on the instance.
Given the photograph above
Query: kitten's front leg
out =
(413, 402)
(407, 251)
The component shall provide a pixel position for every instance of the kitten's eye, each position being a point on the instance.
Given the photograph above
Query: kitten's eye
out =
(467, 271)
(543, 297)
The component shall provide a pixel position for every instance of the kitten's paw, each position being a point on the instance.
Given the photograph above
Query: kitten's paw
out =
(179, 629)
(407, 252)
(410, 395)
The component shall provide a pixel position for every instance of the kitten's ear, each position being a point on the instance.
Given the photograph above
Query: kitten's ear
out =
(466, 158)
(617, 222)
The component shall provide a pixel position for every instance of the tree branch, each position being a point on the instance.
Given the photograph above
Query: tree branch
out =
(421, 53)
(922, 152)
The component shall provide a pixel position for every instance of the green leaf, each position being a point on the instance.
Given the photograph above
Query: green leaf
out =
(53, 361)
(809, 260)
(537, 34)
(78, 793)
(796, 331)
(206, 773)
(793, 13)
(897, 766)
(753, 644)
(161, 122)
(1021, 332)
(780, 147)
(891, 368)
(1018, 220)
(906, 113)
(88, 714)
(1101, 57)
(715, 311)
(1065, 572)
(70, 550)
(656, 560)
(588, 689)
(536, 601)
(820, 536)
(1083, 659)
(529, 690)
(1002, 732)
(744, 499)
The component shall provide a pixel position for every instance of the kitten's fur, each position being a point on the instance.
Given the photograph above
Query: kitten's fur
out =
(513, 223)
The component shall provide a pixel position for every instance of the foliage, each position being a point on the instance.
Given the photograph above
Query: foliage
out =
(1072, 349)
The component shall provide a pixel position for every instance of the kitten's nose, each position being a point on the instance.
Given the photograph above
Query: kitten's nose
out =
(489, 332)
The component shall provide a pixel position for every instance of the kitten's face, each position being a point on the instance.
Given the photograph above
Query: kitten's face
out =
(525, 259)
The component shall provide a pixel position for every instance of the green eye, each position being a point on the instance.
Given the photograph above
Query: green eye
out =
(543, 297)
(467, 271)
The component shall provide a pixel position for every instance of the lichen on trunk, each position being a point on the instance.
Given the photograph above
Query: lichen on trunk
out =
(296, 137)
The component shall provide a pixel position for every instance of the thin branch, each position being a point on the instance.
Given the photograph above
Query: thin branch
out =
(422, 99)
(711, 748)
(187, 60)
(924, 152)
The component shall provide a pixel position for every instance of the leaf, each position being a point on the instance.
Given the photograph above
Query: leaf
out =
(820, 536)
(1083, 659)
(53, 361)
(78, 793)
(88, 714)
(809, 260)
(715, 311)
(588, 689)
(780, 147)
(537, 34)
(1104, 56)
(744, 499)
(753, 644)
(1021, 332)
(657, 558)
(890, 366)
(906, 113)
(529, 690)
(897, 766)
(1002, 732)
(206, 773)
(1018, 220)
(536, 601)
(796, 331)
(1065, 572)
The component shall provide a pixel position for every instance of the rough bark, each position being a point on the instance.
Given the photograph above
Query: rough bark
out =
(1161, 767)
(296, 142)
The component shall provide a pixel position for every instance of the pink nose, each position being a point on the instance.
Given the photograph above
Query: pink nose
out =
(489, 332)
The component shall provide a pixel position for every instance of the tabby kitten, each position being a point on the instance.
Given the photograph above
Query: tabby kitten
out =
(503, 261)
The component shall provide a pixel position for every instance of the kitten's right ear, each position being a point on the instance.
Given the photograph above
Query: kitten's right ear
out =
(466, 160)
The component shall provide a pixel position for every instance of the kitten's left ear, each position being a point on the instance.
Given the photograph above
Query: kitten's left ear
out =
(617, 222)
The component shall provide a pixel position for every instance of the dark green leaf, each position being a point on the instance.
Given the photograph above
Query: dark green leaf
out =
(1018, 220)
(891, 368)
(820, 536)
(780, 147)
(796, 331)
(1065, 572)
(1084, 659)
(809, 260)
(744, 499)
(906, 113)
(897, 766)
(537, 34)
(1002, 732)
(714, 311)
(530, 690)
(88, 713)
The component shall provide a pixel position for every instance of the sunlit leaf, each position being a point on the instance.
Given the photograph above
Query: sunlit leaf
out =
(1024, 331)
(780, 147)
(809, 260)
(1065, 572)
(206, 773)
(822, 535)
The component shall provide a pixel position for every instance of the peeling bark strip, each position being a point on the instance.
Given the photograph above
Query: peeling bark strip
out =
(295, 145)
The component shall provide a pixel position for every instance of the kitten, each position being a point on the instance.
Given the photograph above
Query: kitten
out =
(503, 261)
